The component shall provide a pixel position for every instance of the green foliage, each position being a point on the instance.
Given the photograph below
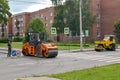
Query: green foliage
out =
(4, 11)
(72, 16)
(56, 2)
(36, 25)
(117, 29)
(26, 38)
(4, 40)
(86, 45)
(59, 19)
(67, 14)
(17, 39)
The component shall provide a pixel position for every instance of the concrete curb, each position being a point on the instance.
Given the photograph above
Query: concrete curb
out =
(83, 50)
(38, 78)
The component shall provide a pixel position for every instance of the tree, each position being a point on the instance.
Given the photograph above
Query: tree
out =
(72, 15)
(117, 29)
(59, 19)
(56, 2)
(36, 25)
(4, 11)
(4, 14)
(70, 11)
(59, 15)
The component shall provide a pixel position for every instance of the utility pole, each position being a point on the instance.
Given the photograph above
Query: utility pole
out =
(81, 33)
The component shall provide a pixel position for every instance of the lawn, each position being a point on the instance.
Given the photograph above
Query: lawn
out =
(61, 46)
(109, 72)
(14, 45)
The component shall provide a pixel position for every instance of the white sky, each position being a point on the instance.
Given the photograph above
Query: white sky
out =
(18, 6)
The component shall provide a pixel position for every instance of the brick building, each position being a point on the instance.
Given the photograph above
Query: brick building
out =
(3, 31)
(107, 12)
(19, 22)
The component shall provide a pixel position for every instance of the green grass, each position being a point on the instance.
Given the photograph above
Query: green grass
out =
(61, 46)
(109, 72)
(17, 45)
(14, 45)
(3, 45)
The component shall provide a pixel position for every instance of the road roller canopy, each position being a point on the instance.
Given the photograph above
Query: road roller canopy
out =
(109, 36)
(34, 36)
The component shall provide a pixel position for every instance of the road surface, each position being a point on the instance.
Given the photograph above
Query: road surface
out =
(65, 61)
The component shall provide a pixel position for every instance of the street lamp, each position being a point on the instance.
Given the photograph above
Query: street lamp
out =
(81, 33)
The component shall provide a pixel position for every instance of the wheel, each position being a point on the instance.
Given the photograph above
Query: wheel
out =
(50, 53)
(46, 55)
(99, 48)
(25, 52)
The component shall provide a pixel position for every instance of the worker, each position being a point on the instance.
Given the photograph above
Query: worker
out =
(9, 49)
(38, 52)
(112, 43)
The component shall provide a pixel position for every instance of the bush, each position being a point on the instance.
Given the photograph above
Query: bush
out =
(17, 39)
(4, 40)
(49, 41)
(86, 45)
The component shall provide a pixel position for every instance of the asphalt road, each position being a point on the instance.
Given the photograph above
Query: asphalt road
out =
(65, 61)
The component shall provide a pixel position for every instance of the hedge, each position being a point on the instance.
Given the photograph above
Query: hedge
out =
(4, 40)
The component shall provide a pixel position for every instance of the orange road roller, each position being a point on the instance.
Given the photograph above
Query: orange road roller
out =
(35, 47)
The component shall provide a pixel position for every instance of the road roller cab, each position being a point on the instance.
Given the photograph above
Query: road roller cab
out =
(35, 47)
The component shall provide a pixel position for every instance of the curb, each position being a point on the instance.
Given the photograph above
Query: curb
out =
(83, 50)
(38, 78)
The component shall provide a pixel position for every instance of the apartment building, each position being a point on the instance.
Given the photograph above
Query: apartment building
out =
(107, 12)
(3, 31)
(19, 22)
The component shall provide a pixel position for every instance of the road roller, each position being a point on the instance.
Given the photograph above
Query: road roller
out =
(36, 47)
(108, 43)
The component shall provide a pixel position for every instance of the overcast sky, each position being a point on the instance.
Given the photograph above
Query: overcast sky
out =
(18, 6)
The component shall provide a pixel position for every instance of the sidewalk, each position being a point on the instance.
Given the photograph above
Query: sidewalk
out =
(38, 78)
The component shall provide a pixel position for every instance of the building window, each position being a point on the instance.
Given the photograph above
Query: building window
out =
(98, 6)
(98, 24)
(41, 16)
(46, 24)
(51, 14)
(51, 21)
(37, 15)
(20, 19)
(46, 18)
(98, 34)
(98, 15)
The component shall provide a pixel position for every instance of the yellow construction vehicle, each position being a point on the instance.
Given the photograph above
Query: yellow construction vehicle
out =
(108, 43)
(35, 47)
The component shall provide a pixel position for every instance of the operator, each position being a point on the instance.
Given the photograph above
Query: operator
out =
(9, 49)
(38, 52)
(112, 43)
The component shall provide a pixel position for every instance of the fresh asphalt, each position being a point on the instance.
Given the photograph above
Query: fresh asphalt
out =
(16, 67)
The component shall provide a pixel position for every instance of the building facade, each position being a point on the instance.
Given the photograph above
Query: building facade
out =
(3, 31)
(106, 11)
(19, 22)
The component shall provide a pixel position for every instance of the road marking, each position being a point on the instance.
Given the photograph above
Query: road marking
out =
(95, 57)
(104, 58)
